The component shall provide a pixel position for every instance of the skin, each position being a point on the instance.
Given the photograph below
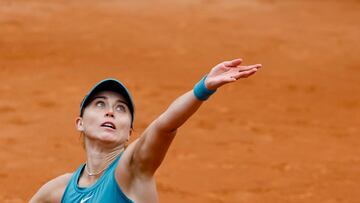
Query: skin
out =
(136, 168)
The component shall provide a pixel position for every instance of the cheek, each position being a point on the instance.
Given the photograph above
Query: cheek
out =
(125, 123)
(90, 121)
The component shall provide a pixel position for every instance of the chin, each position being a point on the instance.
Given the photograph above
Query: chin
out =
(110, 138)
(107, 137)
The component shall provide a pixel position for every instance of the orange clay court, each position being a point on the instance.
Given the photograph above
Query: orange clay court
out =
(289, 134)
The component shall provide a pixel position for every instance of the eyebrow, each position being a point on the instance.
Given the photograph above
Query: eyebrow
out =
(104, 97)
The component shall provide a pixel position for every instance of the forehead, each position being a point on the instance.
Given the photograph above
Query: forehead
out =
(109, 95)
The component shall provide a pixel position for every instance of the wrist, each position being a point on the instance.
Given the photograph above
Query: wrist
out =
(201, 92)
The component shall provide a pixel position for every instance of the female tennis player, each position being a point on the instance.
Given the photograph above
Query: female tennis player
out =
(113, 172)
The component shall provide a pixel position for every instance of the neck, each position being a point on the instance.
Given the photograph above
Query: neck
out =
(98, 159)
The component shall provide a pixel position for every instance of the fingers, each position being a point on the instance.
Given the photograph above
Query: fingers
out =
(257, 66)
(245, 73)
(249, 74)
(246, 68)
(230, 79)
(233, 63)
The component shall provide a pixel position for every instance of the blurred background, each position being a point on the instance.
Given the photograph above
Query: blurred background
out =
(287, 134)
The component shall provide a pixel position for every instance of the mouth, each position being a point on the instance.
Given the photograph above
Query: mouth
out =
(108, 125)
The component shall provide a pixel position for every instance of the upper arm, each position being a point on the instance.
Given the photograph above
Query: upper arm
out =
(151, 148)
(146, 155)
(140, 160)
(52, 191)
(143, 156)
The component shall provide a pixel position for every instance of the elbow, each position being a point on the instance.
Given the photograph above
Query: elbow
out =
(167, 130)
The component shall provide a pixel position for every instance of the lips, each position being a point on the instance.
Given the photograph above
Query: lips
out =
(108, 125)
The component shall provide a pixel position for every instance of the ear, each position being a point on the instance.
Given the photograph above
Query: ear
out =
(79, 124)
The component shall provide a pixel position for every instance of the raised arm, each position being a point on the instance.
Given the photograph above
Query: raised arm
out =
(186, 105)
(152, 146)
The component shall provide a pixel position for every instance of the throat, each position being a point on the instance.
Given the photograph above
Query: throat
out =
(89, 177)
(97, 163)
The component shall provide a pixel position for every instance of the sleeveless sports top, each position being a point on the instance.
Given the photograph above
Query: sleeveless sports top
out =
(105, 188)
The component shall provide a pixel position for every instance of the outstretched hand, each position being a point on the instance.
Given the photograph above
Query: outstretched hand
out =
(227, 72)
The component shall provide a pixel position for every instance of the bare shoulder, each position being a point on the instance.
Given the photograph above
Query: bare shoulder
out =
(132, 161)
(124, 173)
(126, 159)
(137, 187)
(53, 190)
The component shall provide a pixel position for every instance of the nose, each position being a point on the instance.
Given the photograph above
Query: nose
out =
(110, 114)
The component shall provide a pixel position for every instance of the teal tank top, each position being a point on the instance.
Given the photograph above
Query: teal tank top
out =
(105, 189)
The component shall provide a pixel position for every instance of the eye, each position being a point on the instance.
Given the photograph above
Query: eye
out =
(120, 108)
(100, 104)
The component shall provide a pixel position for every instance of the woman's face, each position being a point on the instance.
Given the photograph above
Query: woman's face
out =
(106, 118)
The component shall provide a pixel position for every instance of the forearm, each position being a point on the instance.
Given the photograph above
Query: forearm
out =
(178, 112)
